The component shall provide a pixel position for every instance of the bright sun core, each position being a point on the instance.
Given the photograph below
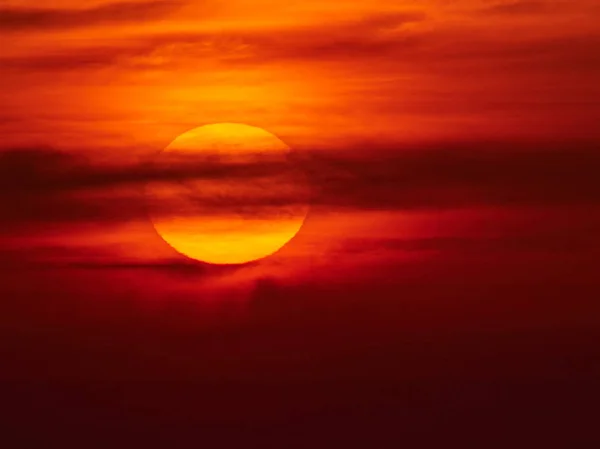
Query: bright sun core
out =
(227, 194)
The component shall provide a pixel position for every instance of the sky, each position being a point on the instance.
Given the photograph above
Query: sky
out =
(451, 154)
(139, 73)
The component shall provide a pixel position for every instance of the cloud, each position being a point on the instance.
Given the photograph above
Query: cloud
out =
(370, 37)
(524, 7)
(43, 186)
(31, 19)
(551, 54)
(554, 243)
(47, 170)
(446, 177)
(377, 39)
(376, 36)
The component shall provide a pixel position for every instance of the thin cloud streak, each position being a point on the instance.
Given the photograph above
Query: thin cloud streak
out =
(32, 19)
(527, 8)
(375, 36)
(401, 179)
(381, 39)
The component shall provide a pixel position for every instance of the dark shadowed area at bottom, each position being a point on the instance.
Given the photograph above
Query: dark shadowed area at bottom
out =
(445, 354)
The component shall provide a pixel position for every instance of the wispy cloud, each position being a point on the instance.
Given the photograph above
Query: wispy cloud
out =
(31, 19)
(376, 39)
(376, 36)
(526, 8)
(42, 186)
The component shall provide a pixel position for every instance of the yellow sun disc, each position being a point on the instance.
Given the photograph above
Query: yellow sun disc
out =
(227, 194)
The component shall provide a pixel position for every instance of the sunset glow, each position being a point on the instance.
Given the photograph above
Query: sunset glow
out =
(296, 224)
(250, 224)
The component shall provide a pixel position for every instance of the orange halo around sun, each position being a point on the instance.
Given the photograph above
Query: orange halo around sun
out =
(227, 194)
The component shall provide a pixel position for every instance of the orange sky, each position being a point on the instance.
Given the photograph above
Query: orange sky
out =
(116, 82)
(134, 75)
(443, 290)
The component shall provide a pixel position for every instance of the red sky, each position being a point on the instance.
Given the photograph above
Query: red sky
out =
(116, 82)
(450, 253)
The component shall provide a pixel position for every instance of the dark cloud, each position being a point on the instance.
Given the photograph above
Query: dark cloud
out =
(61, 60)
(462, 176)
(549, 55)
(45, 170)
(553, 243)
(14, 258)
(18, 19)
(525, 7)
(370, 37)
(41, 185)
(375, 39)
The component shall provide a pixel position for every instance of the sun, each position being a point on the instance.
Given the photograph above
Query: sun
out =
(227, 193)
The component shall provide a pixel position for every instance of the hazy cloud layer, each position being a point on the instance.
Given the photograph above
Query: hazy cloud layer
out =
(32, 19)
(529, 8)
(372, 36)
(380, 38)
(42, 185)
